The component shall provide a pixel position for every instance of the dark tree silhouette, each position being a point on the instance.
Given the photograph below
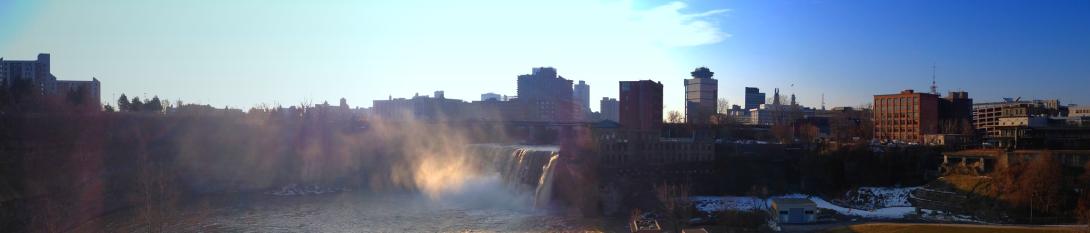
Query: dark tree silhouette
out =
(1082, 211)
(154, 105)
(123, 104)
(675, 203)
(136, 105)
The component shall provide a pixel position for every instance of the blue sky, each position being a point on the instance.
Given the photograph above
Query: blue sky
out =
(247, 52)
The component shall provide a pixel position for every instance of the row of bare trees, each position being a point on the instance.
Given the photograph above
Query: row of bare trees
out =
(1082, 210)
(1041, 188)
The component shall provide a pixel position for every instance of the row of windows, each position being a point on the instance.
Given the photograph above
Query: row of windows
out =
(906, 137)
(898, 100)
(897, 130)
(660, 146)
(898, 108)
(895, 118)
(898, 122)
(622, 158)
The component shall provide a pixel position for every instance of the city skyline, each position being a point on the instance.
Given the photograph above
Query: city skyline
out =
(201, 54)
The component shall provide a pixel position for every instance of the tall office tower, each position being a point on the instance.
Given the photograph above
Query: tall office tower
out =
(701, 94)
(582, 96)
(545, 96)
(754, 98)
(610, 109)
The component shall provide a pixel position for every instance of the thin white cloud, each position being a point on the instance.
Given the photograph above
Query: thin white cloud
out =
(667, 25)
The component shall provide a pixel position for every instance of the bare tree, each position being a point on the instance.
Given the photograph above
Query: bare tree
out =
(808, 132)
(1044, 181)
(1083, 208)
(674, 116)
(156, 198)
(956, 126)
(783, 132)
(675, 203)
(722, 106)
(1036, 185)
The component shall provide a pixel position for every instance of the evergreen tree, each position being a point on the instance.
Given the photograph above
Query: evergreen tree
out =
(154, 105)
(136, 105)
(123, 104)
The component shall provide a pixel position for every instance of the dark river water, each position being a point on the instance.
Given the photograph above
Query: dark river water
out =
(475, 209)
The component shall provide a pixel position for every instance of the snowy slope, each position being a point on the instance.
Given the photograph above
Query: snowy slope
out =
(709, 204)
(878, 197)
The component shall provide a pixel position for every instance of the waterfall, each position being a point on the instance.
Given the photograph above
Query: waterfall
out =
(523, 168)
(544, 190)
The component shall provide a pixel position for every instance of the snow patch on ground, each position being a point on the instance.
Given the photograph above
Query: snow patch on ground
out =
(882, 213)
(709, 204)
(878, 197)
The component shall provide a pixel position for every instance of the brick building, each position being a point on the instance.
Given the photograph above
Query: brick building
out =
(905, 116)
(641, 106)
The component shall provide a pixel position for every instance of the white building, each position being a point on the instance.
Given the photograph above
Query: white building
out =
(491, 96)
(793, 210)
(1078, 111)
(770, 114)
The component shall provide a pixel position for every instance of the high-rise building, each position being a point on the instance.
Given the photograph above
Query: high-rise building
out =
(905, 116)
(36, 74)
(641, 105)
(610, 109)
(33, 72)
(754, 98)
(546, 96)
(701, 94)
(582, 96)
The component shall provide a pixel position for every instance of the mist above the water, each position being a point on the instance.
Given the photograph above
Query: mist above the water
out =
(433, 156)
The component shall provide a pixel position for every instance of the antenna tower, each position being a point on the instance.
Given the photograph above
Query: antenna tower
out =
(934, 87)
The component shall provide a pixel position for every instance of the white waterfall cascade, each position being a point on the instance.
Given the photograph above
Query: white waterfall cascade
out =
(523, 168)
